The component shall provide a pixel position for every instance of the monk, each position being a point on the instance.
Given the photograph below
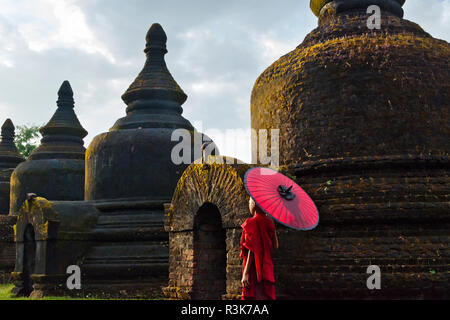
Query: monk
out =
(258, 240)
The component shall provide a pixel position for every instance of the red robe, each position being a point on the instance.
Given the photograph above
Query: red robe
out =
(257, 236)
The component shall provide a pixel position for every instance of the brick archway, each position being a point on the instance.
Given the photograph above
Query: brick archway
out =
(219, 184)
(213, 190)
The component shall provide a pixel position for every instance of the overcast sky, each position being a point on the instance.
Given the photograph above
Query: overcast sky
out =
(217, 49)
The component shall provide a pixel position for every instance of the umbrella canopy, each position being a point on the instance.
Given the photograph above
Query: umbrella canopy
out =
(281, 198)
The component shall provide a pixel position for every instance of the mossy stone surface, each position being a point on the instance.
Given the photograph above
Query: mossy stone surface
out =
(363, 118)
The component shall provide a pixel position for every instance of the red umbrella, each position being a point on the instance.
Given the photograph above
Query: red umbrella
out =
(281, 198)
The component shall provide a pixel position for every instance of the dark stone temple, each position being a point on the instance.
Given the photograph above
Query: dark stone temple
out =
(117, 234)
(55, 169)
(9, 159)
(130, 175)
(363, 119)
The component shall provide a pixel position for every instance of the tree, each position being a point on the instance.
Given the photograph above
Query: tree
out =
(27, 139)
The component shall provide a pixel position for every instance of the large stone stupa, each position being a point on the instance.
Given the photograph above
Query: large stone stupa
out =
(130, 175)
(363, 120)
(133, 159)
(363, 117)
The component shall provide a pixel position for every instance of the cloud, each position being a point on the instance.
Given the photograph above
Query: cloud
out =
(232, 142)
(53, 24)
(213, 88)
(272, 48)
(4, 110)
(217, 49)
(433, 16)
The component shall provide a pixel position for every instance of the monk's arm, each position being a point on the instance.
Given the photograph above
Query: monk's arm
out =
(245, 275)
(249, 263)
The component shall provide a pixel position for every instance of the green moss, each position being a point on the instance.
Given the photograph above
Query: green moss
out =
(317, 5)
(363, 48)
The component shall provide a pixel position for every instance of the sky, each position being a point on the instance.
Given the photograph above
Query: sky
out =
(217, 49)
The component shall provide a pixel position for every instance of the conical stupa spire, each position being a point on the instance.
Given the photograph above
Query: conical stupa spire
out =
(64, 121)
(9, 155)
(63, 135)
(8, 131)
(154, 98)
(65, 95)
(155, 81)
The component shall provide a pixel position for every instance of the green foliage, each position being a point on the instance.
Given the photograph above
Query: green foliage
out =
(27, 139)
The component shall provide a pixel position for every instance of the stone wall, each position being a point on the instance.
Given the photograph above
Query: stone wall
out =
(329, 262)
(7, 248)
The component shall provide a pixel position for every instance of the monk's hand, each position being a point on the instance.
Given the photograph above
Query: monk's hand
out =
(245, 281)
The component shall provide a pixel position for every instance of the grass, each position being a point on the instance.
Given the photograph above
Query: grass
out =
(5, 294)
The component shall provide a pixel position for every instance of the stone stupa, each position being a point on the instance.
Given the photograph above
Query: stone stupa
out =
(363, 116)
(55, 169)
(9, 159)
(133, 160)
(130, 175)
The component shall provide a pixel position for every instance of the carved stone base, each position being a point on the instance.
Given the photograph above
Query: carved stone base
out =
(18, 281)
(45, 285)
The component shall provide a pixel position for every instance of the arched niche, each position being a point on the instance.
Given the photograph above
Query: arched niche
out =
(215, 190)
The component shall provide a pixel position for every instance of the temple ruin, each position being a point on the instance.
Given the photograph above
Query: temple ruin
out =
(363, 119)
(116, 235)
(55, 169)
(9, 159)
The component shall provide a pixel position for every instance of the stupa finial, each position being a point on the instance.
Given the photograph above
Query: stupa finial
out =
(64, 121)
(65, 95)
(62, 136)
(154, 87)
(9, 155)
(156, 40)
(8, 131)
